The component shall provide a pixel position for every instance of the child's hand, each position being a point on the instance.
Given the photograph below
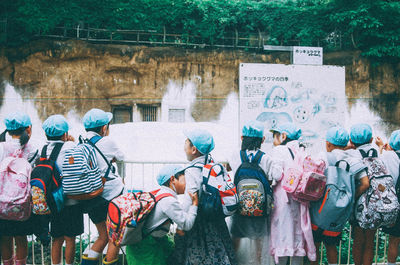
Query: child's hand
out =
(195, 198)
(379, 142)
(70, 138)
(180, 232)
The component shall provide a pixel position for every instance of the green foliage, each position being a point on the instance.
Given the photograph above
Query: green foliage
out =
(369, 25)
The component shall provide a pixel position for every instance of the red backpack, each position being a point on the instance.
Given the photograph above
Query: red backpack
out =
(127, 213)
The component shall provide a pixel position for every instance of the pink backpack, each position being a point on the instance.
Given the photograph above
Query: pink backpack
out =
(304, 179)
(15, 188)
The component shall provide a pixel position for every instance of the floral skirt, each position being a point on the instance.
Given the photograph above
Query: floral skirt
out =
(208, 243)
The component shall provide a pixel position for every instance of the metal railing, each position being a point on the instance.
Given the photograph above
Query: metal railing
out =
(142, 176)
(234, 39)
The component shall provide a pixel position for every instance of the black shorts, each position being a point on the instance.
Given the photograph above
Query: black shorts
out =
(68, 223)
(96, 208)
(17, 228)
(328, 237)
(394, 230)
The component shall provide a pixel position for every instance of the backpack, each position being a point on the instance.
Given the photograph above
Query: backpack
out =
(218, 197)
(46, 185)
(304, 179)
(378, 205)
(81, 177)
(254, 192)
(127, 213)
(15, 195)
(334, 209)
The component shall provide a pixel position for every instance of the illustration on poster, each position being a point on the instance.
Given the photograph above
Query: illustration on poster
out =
(304, 95)
(272, 119)
(276, 98)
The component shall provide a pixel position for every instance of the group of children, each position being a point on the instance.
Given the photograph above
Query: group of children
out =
(198, 239)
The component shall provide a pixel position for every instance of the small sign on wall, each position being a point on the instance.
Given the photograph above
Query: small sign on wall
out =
(307, 55)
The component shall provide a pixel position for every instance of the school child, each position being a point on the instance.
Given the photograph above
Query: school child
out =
(253, 227)
(19, 127)
(363, 244)
(67, 224)
(390, 154)
(337, 139)
(291, 234)
(208, 242)
(156, 247)
(96, 123)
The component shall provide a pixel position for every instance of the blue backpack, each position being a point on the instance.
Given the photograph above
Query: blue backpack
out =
(253, 189)
(336, 206)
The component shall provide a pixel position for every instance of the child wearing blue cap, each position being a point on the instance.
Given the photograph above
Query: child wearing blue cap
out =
(336, 143)
(390, 155)
(155, 247)
(208, 242)
(255, 228)
(363, 244)
(291, 234)
(97, 126)
(67, 224)
(19, 127)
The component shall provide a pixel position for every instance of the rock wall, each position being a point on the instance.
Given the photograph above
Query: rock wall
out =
(82, 75)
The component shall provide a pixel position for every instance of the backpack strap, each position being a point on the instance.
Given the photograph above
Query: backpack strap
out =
(56, 151)
(163, 195)
(3, 136)
(291, 153)
(370, 153)
(92, 141)
(243, 156)
(34, 156)
(332, 161)
(257, 157)
(43, 153)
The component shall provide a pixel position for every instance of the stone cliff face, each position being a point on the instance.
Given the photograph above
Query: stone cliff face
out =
(81, 76)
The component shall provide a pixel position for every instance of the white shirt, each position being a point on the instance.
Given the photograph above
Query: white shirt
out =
(110, 150)
(169, 208)
(271, 167)
(392, 163)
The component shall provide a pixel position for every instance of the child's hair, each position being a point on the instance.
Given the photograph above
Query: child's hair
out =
(23, 135)
(54, 138)
(251, 143)
(287, 140)
(97, 129)
(176, 176)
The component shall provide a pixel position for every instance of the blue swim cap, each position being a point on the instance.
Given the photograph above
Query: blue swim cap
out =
(253, 129)
(290, 129)
(337, 136)
(167, 172)
(360, 133)
(96, 118)
(201, 139)
(16, 120)
(394, 140)
(55, 125)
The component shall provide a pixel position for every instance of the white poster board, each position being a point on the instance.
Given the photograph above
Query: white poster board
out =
(313, 97)
(307, 55)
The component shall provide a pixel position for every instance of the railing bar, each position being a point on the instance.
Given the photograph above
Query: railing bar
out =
(384, 249)
(340, 252)
(376, 245)
(33, 250)
(80, 248)
(348, 245)
(321, 252)
(42, 253)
